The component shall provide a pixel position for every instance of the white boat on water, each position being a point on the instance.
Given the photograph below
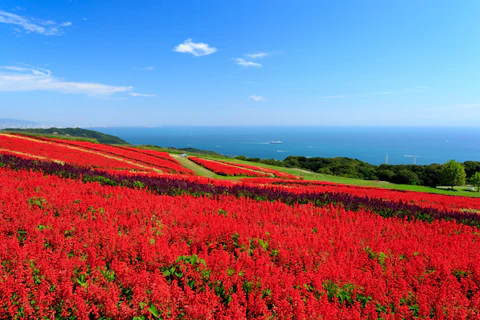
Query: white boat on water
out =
(276, 142)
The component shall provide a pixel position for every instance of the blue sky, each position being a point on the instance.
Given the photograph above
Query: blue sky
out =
(364, 63)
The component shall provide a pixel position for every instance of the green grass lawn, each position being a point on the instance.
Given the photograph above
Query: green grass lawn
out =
(199, 170)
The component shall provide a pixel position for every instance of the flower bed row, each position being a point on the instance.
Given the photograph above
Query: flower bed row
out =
(434, 200)
(225, 169)
(59, 152)
(276, 173)
(160, 160)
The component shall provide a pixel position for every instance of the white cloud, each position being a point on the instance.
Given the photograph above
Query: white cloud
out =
(31, 25)
(45, 22)
(244, 63)
(66, 24)
(37, 79)
(197, 49)
(134, 94)
(257, 98)
(13, 68)
(257, 55)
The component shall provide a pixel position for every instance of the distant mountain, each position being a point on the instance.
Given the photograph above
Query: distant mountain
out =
(15, 123)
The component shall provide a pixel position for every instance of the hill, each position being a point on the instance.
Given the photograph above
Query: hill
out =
(72, 132)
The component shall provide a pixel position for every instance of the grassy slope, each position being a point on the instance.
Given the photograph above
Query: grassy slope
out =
(199, 170)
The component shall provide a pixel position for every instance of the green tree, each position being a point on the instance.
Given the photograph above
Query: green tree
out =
(385, 174)
(291, 162)
(431, 175)
(453, 174)
(475, 179)
(471, 167)
(241, 158)
(406, 176)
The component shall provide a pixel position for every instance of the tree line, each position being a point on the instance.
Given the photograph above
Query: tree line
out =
(451, 173)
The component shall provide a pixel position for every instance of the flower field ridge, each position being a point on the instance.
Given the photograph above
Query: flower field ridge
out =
(438, 201)
(227, 169)
(73, 249)
(67, 154)
(275, 173)
(161, 160)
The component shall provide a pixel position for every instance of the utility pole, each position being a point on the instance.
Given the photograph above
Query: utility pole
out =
(414, 156)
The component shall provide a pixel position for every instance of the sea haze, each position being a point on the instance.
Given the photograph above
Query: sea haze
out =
(370, 144)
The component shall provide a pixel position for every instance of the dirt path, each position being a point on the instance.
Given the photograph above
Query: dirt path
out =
(30, 155)
(199, 170)
(304, 171)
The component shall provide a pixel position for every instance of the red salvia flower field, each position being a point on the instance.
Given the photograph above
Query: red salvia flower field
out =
(418, 198)
(73, 249)
(66, 154)
(92, 154)
(160, 160)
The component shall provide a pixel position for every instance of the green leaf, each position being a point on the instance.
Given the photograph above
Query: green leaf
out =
(154, 311)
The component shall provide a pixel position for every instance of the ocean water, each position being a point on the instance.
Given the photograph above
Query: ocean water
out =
(370, 144)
